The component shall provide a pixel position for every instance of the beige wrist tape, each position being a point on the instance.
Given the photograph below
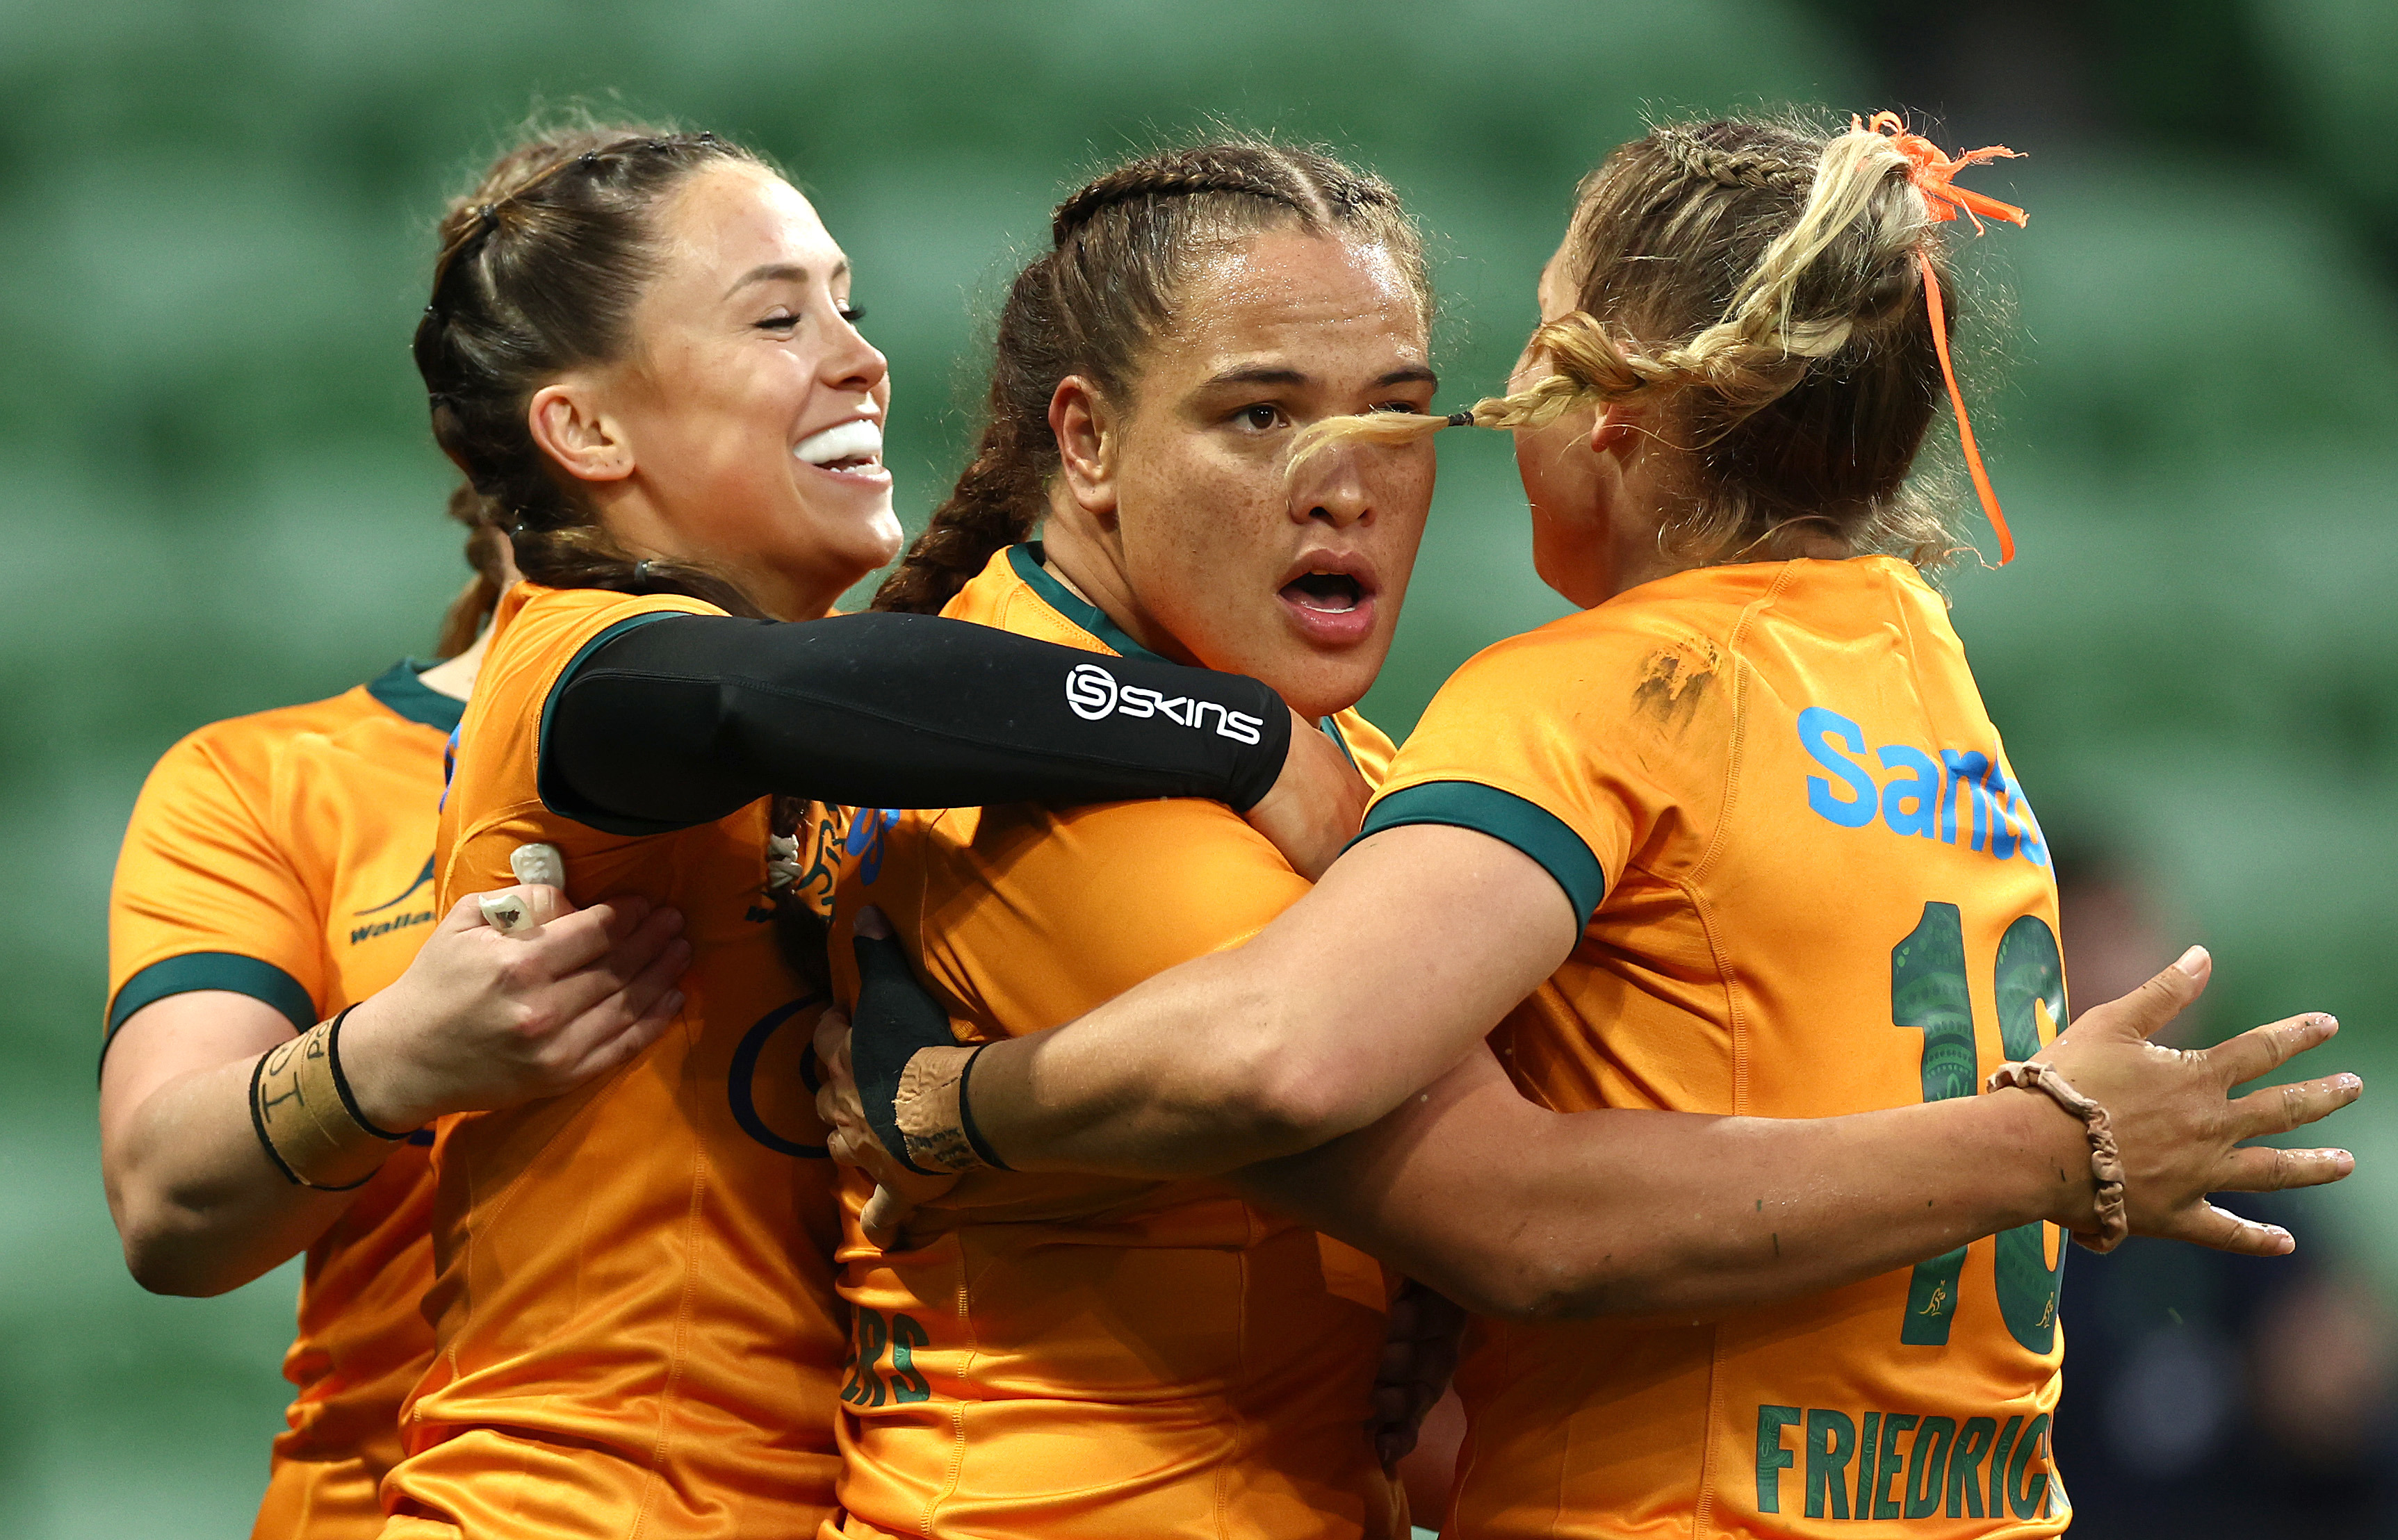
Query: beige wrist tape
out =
(2106, 1161)
(299, 1103)
(930, 1107)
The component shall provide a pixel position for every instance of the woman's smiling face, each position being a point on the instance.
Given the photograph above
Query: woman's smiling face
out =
(749, 407)
(1221, 559)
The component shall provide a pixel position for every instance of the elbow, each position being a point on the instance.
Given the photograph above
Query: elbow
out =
(163, 1267)
(1273, 1098)
(1533, 1278)
(161, 1253)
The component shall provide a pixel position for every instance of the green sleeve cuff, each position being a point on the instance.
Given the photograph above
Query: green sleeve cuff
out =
(230, 970)
(1506, 817)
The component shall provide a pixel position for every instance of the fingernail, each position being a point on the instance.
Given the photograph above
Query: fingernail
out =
(2326, 1019)
(2349, 1082)
(2193, 963)
(674, 1001)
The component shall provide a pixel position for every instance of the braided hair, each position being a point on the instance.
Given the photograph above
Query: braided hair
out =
(1121, 247)
(541, 265)
(1756, 284)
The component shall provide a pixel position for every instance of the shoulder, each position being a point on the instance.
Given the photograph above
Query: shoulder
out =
(240, 758)
(1617, 676)
(537, 633)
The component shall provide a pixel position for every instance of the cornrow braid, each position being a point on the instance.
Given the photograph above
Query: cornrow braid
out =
(1194, 174)
(1121, 246)
(1691, 149)
(1759, 285)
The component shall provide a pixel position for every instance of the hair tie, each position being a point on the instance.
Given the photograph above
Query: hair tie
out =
(1932, 174)
(1460, 419)
(489, 215)
(641, 570)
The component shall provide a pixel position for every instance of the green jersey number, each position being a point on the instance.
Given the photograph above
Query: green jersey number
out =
(1928, 992)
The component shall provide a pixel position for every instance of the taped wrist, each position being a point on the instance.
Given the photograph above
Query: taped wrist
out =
(308, 1120)
(909, 1071)
(931, 1111)
(2106, 1161)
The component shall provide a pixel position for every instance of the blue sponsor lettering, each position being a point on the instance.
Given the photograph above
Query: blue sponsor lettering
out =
(1954, 795)
(1817, 728)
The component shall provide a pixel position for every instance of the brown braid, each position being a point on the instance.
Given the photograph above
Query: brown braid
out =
(1736, 164)
(1123, 245)
(487, 553)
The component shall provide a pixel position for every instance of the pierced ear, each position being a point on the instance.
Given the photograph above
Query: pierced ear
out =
(1085, 429)
(567, 425)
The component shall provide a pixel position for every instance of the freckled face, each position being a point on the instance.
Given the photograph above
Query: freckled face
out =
(1297, 584)
(753, 407)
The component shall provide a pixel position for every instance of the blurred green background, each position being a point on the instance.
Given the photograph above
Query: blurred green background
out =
(220, 496)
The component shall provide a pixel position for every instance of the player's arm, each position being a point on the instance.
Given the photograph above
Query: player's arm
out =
(678, 719)
(1383, 980)
(1366, 990)
(1516, 1211)
(202, 1202)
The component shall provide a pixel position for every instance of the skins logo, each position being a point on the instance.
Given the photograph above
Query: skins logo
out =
(1094, 695)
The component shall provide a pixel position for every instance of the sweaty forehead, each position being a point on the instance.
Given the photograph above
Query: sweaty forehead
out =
(1287, 291)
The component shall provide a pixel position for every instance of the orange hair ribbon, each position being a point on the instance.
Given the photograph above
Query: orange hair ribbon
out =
(1933, 176)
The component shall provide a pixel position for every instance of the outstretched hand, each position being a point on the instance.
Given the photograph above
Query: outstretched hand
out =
(2176, 1125)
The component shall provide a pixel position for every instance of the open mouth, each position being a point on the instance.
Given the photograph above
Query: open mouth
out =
(1326, 593)
(852, 447)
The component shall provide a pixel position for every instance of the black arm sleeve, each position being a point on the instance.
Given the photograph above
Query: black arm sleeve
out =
(683, 719)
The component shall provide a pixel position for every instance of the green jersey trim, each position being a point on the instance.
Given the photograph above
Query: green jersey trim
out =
(1026, 559)
(404, 694)
(229, 971)
(1506, 817)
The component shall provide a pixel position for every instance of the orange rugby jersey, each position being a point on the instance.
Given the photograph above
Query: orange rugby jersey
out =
(1093, 1356)
(637, 1330)
(1822, 893)
(288, 856)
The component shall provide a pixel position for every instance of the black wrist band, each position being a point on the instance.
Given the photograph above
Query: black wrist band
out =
(967, 1118)
(894, 1017)
(258, 1124)
(342, 1082)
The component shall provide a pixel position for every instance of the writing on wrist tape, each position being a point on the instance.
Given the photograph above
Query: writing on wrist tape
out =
(2106, 1161)
(931, 1111)
(305, 1118)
